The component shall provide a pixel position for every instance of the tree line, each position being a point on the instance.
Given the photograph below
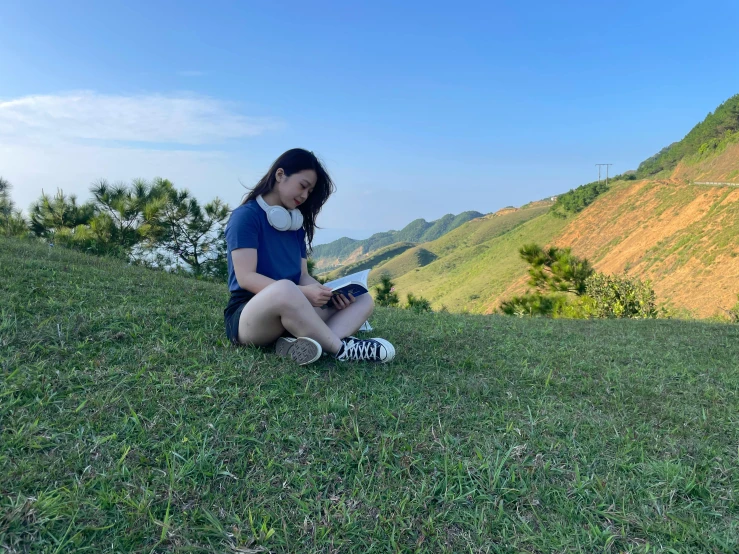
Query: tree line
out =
(715, 131)
(576, 200)
(146, 223)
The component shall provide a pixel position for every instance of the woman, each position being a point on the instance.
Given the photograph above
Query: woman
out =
(272, 293)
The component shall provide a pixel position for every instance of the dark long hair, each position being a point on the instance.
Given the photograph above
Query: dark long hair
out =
(295, 161)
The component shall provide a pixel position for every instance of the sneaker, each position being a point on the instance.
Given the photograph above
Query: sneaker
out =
(302, 349)
(370, 350)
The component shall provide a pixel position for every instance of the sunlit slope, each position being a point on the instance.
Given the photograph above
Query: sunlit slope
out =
(467, 277)
(376, 258)
(481, 230)
(472, 233)
(684, 238)
(409, 260)
(723, 167)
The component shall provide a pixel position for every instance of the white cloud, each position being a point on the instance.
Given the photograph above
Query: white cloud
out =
(153, 118)
(31, 168)
(70, 140)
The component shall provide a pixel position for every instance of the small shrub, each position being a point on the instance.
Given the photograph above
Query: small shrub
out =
(558, 278)
(734, 312)
(557, 306)
(419, 304)
(621, 296)
(532, 304)
(555, 269)
(579, 307)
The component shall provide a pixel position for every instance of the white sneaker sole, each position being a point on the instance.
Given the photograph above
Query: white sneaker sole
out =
(389, 348)
(302, 350)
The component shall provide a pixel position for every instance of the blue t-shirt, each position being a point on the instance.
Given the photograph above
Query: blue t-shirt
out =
(279, 253)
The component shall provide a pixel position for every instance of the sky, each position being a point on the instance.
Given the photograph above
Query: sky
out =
(417, 109)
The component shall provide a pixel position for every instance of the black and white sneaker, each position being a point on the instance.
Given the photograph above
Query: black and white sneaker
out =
(370, 350)
(303, 350)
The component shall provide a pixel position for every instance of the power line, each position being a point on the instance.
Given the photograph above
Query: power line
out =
(607, 165)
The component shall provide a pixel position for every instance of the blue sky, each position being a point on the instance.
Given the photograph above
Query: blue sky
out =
(418, 108)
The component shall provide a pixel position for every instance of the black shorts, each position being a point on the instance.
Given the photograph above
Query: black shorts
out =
(232, 313)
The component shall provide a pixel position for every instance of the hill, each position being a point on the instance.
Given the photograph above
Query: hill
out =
(682, 237)
(130, 425)
(706, 139)
(415, 266)
(345, 250)
(375, 258)
(466, 275)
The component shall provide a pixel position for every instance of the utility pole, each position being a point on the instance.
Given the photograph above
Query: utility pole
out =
(607, 165)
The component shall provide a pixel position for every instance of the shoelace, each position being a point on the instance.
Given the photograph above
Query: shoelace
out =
(361, 349)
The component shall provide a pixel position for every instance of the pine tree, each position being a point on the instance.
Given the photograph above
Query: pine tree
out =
(12, 223)
(191, 235)
(386, 295)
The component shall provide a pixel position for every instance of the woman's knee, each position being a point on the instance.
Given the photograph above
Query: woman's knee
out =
(285, 294)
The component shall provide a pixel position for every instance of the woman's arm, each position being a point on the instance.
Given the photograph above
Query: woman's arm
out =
(245, 268)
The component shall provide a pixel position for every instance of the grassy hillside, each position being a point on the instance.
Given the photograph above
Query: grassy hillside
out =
(683, 237)
(129, 425)
(345, 251)
(376, 258)
(722, 166)
(400, 265)
(707, 138)
(473, 233)
(465, 278)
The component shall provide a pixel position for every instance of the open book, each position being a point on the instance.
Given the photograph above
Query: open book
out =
(354, 284)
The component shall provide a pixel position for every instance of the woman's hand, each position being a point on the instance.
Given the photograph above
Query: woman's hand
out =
(316, 294)
(340, 301)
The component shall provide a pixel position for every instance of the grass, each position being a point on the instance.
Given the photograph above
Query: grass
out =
(129, 425)
(410, 260)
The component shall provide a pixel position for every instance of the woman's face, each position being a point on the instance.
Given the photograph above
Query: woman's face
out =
(293, 190)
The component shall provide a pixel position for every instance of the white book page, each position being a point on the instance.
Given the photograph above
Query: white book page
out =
(359, 277)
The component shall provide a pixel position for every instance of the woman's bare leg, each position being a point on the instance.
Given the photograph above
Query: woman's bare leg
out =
(348, 321)
(282, 306)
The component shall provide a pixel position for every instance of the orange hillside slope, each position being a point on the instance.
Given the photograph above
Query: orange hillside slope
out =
(684, 238)
(722, 168)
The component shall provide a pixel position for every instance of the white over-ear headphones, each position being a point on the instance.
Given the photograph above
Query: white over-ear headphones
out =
(280, 218)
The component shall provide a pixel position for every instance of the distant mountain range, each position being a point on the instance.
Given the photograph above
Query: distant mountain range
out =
(346, 250)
